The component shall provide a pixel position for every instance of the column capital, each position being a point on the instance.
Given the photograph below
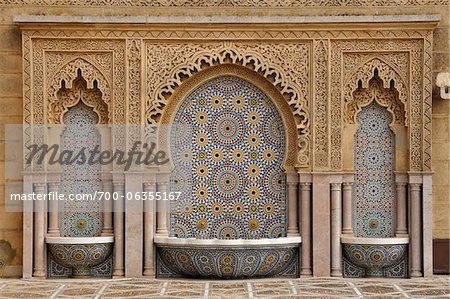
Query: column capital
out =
(292, 185)
(54, 184)
(335, 186)
(415, 186)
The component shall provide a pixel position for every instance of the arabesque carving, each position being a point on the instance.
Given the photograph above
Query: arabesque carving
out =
(79, 91)
(312, 84)
(229, 3)
(95, 80)
(134, 90)
(52, 60)
(286, 65)
(321, 150)
(386, 97)
(411, 89)
(387, 73)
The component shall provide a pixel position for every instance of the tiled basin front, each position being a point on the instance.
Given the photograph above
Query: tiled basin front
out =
(376, 255)
(228, 258)
(80, 254)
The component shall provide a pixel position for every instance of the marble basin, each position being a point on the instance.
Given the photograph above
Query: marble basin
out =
(80, 253)
(376, 255)
(234, 259)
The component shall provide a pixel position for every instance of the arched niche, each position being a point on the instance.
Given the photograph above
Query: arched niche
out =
(362, 96)
(73, 93)
(251, 155)
(290, 161)
(82, 75)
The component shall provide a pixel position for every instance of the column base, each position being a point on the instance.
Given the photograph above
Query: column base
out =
(53, 232)
(118, 273)
(401, 234)
(39, 273)
(162, 233)
(107, 232)
(416, 273)
(150, 273)
(293, 234)
(306, 272)
(336, 273)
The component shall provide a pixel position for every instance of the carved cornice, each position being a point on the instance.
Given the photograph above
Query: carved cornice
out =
(228, 3)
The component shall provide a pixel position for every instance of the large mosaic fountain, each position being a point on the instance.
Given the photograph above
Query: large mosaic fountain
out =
(228, 147)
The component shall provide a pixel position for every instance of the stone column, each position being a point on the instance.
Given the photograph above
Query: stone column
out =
(53, 207)
(28, 228)
(347, 225)
(108, 202)
(401, 229)
(149, 210)
(336, 227)
(163, 206)
(118, 269)
(321, 235)
(292, 181)
(134, 225)
(39, 232)
(427, 224)
(416, 238)
(305, 195)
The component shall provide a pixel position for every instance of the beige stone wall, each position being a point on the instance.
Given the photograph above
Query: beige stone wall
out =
(11, 85)
(10, 112)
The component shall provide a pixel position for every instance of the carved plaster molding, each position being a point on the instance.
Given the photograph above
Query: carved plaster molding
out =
(229, 3)
(285, 65)
(417, 100)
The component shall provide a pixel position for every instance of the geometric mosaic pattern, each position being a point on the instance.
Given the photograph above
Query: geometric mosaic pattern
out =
(80, 218)
(436, 287)
(375, 260)
(228, 146)
(374, 198)
(221, 263)
(80, 260)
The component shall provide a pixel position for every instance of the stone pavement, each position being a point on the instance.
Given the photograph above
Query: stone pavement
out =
(437, 287)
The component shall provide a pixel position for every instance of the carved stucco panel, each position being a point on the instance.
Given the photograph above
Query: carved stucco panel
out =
(36, 95)
(45, 41)
(176, 34)
(321, 144)
(68, 73)
(385, 97)
(387, 73)
(230, 3)
(134, 78)
(286, 65)
(415, 97)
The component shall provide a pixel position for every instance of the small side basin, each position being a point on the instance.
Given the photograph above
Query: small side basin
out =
(375, 255)
(80, 253)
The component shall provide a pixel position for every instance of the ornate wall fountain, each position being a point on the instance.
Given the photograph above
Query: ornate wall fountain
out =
(74, 246)
(228, 147)
(374, 199)
(304, 76)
